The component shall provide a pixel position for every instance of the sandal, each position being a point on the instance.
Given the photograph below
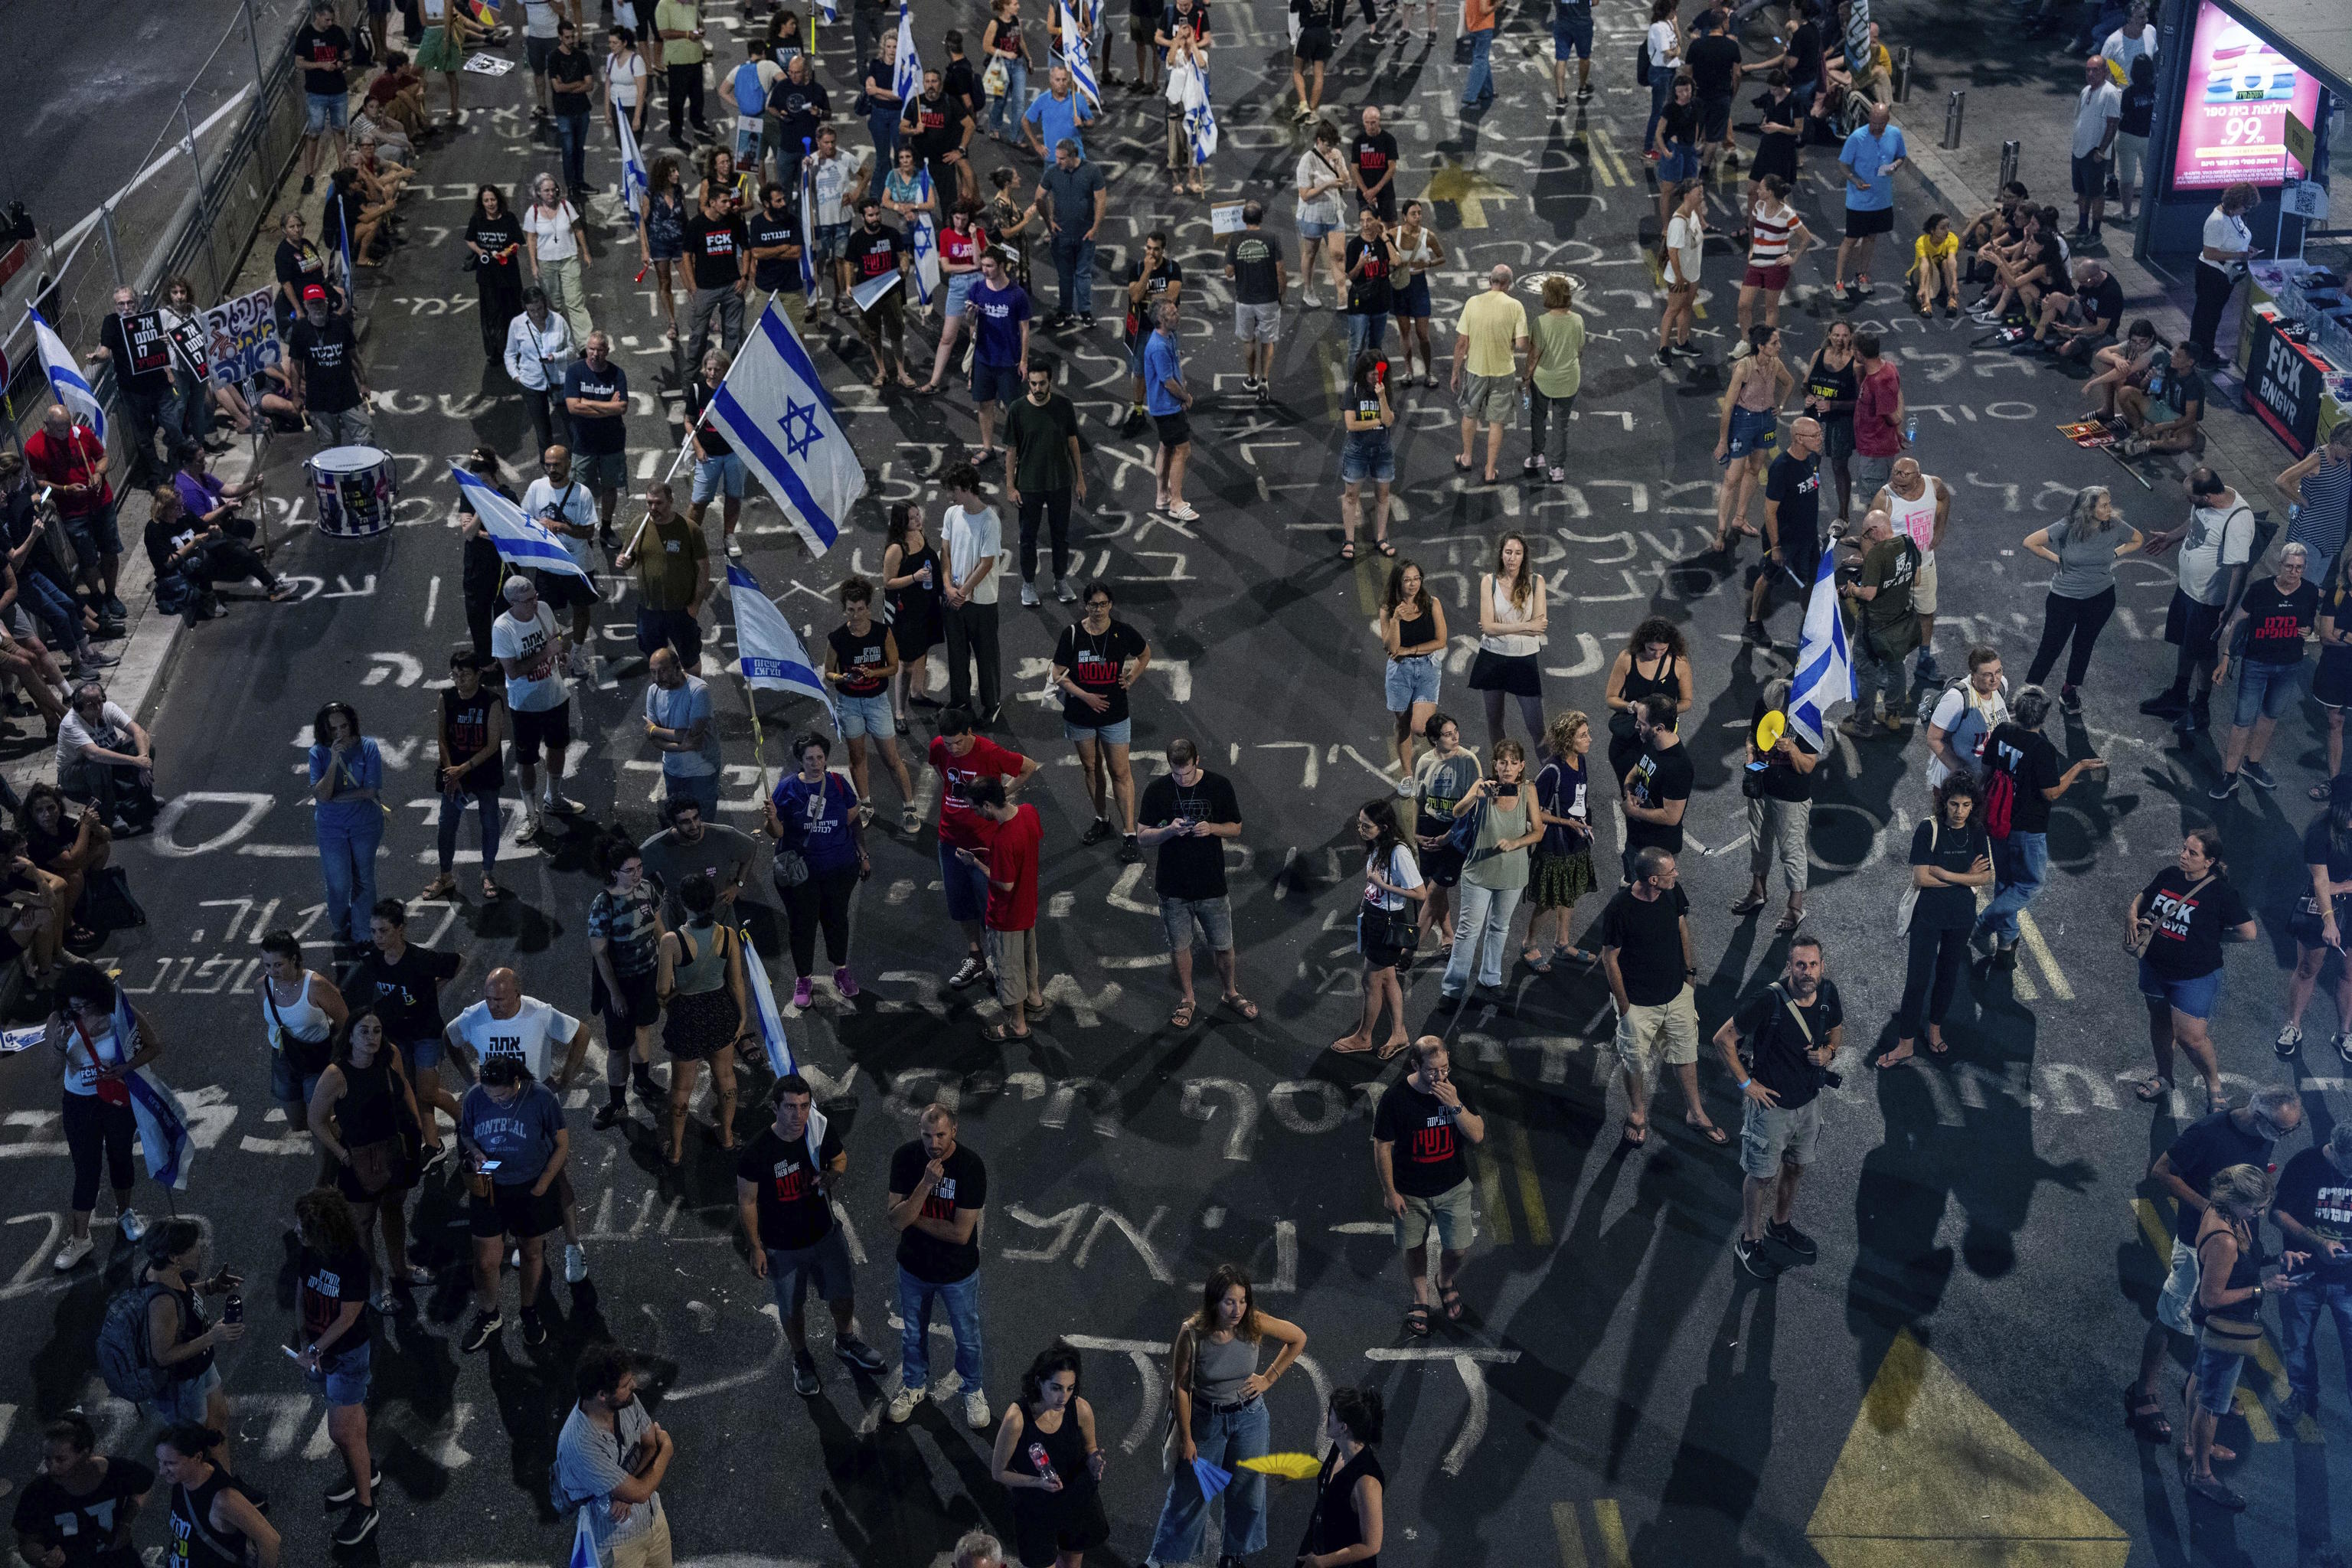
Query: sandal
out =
(1462, 465)
(1181, 1017)
(491, 892)
(1345, 1045)
(2145, 1418)
(2148, 1091)
(441, 886)
(1416, 1321)
(2318, 792)
(1390, 1051)
(1384, 547)
(1347, 551)
(1788, 922)
(1936, 1048)
(1901, 1052)
(1633, 1135)
(1536, 959)
(1747, 904)
(1242, 1004)
(1003, 1034)
(1710, 1131)
(1449, 1297)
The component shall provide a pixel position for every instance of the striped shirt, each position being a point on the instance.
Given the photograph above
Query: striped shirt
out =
(1769, 230)
(2327, 511)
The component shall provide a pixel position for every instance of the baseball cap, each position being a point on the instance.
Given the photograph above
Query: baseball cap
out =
(313, 291)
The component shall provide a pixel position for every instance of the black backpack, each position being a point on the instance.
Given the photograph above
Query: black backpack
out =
(125, 1363)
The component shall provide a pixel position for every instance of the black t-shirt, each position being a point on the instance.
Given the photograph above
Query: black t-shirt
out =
(698, 398)
(1373, 157)
(1805, 50)
(2139, 111)
(331, 46)
(2056, 279)
(407, 995)
(1328, 15)
(861, 659)
(1255, 257)
(1794, 485)
(2211, 1144)
(1094, 663)
(793, 1213)
(2031, 763)
(964, 1186)
(1040, 437)
(1656, 778)
(772, 227)
(938, 124)
(798, 108)
(1647, 935)
(2311, 1191)
(2188, 940)
(872, 255)
(598, 435)
(1711, 58)
(1680, 121)
(716, 246)
(1190, 868)
(1783, 780)
(1372, 290)
(328, 1285)
(1141, 314)
(2103, 301)
(960, 83)
(1777, 1042)
(1427, 1156)
(1934, 844)
(299, 265)
(2318, 850)
(2275, 622)
(570, 65)
(325, 353)
(81, 1527)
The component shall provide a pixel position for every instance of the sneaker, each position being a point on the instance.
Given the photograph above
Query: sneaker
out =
(1740, 350)
(2004, 955)
(357, 1526)
(1311, 300)
(1096, 832)
(563, 805)
(844, 983)
(478, 1333)
(94, 659)
(132, 1227)
(1790, 1236)
(1058, 320)
(116, 609)
(1086, 318)
(75, 1249)
(805, 1382)
(2070, 699)
(903, 1403)
(1754, 632)
(1029, 599)
(1664, 360)
(2344, 1045)
(1065, 591)
(2257, 774)
(2289, 1041)
(734, 550)
(1684, 350)
(348, 1493)
(531, 823)
(1750, 1256)
(607, 1115)
(386, 1304)
(2165, 705)
(575, 1263)
(976, 1413)
(1249, 383)
(641, 1078)
(973, 968)
(1130, 852)
(2288, 1411)
(310, 183)
(803, 992)
(857, 1352)
(2225, 789)
(534, 1332)
(910, 821)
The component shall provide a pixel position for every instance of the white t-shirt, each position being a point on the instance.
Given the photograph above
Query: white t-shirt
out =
(539, 18)
(551, 233)
(113, 734)
(1686, 237)
(1312, 172)
(971, 538)
(1967, 739)
(624, 75)
(1401, 871)
(1665, 51)
(575, 503)
(2123, 50)
(537, 687)
(829, 182)
(82, 1061)
(2217, 540)
(2223, 232)
(2093, 109)
(524, 1038)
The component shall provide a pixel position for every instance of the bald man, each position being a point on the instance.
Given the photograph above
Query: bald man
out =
(1889, 628)
(505, 1023)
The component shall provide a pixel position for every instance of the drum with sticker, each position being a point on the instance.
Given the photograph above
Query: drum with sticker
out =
(356, 487)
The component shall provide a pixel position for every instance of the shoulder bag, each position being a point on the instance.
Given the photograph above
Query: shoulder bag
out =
(1910, 898)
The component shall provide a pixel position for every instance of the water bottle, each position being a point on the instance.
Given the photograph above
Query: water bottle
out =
(1910, 429)
(1044, 1465)
(1526, 401)
(233, 1307)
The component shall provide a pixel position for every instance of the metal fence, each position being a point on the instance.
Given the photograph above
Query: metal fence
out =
(190, 206)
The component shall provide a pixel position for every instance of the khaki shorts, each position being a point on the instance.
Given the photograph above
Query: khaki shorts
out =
(1922, 589)
(1453, 1214)
(1014, 956)
(1490, 399)
(1668, 1032)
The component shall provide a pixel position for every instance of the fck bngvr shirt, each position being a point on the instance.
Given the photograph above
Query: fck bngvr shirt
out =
(1427, 1155)
(928, 1257)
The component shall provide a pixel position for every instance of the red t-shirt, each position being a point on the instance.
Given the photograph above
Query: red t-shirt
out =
(1875, 435)
(67, 462)
(1013, 857)
(962, 247)
(961, 825)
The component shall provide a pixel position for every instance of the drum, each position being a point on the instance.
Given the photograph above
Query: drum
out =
(356, 487)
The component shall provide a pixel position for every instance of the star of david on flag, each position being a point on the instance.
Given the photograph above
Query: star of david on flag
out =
(1824, 662)
(906, 78)
(773, 411)
(923, 243)
(1077, 54)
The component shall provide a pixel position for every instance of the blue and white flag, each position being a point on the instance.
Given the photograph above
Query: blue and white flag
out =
(521, 540)
(1824, 662)
(923, 241)
(772, 1028)
(907, 78)
(831, 12)
(773, 411)
(1200, 120)
(808, 219)
(583, 1540)
(157, 1113)
(66, 383)
(1077, 55)
(634, 181)
(351, 277)
(769, 651)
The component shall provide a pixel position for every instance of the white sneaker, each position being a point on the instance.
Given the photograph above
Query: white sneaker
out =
(976, 1413)
(1065, 592)
(902, 1405)
(734, 550)
(1311, 300)
(581, 664)
(1029, 594)
(531, 823)
(75, 1249)
(575, 1263)
(132, 1227)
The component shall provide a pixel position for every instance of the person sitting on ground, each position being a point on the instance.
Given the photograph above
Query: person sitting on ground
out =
(209, 501)
(2075, 326)
(2165, 415)
(69, 846)
(2023, 271)
(202, 554)
(1934, 265)
(2127, 364)
(105, 758)
(1998, 224)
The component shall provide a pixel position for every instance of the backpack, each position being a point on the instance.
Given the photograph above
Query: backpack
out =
(750, 95)
(1642, 62)
(125, 1361)
(1999, 801)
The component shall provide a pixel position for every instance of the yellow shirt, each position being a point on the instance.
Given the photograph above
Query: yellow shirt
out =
(1925, 254)
(678, 16)
(1493, 322)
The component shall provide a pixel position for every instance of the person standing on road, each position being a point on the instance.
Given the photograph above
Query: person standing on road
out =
(2023, 779)
(1791, 1031)
(611, 1456)
(2230, 1285)
(1780, 812)
(330, 1274)
(511, 1130)
(326, 380)
(300, 1009)
(2217, 547)
(1870, 157)
(708, 1012)
(323, 51)
(625, 932)
(1219, 1394)
(401, 982)
(678, 24)
(539, 349)
(596, 397)
(559, 253)
(1792, 530)
(2084, 548)
(1187, 813)
(815, 815)
(77, 1510)
(1878, 416)
(215, 1524)
(87, 1034)
(1386, 936)
(1777, 238)
(2320, 486)
(673, 567)
(1421, 1134)
(1747, 433)
(1168, 400)
(1047, 1457)
(1044, 469)
(1655, 790)
(1443, 782)
(1253, 267)
(718, 468)
(1513, 625)
(1655, 661)
(717, 274)
(1488, 336)
(962, 758)
(1097, 660)
(524, 1029)
(361, 1117)
(1494, 873)
(1664, 47)
(1888, 630)
(937, 1189)
(2319, 919)
(2177, 925)
(784, 1184)
(1009, 861)
(572, 79)
(1373, 167)
(1555, 372)
(1412, 632)
(860, 663)
(1370, 262)
(1561, 871)
(1964, 716)
(975, 541)
(2313, 1211)
(1319, 178)
(1416, 251)
(529, 648)
(1074, 193)
(563, 504)
(348, 812)
(2228, 244)
(1950, 858)
(1347, 1525)
(2276, 613)
(1920, 505)
(1647, 955)
(2098, 116)
(1833, 389)
(1369, 456)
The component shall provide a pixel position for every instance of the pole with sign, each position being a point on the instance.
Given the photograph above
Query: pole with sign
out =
(2296, 136)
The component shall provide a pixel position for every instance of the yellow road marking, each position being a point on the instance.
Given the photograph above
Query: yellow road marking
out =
(1571, 1534)
(2031, 934)
(1490, 1197)
(1593, 160)
(2258, 1420)
(1612, 1533)
(1523, 1158)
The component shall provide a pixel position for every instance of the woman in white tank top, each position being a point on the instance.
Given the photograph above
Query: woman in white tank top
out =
(301, 1010)
(1512, 626)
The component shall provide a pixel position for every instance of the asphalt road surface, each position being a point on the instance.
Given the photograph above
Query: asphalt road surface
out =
(1941, 1385)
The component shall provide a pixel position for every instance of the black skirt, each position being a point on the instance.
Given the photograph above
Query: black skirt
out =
(1515, 674)
(701, 1023)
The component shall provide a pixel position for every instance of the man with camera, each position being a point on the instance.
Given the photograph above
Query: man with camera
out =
(1793, 1029)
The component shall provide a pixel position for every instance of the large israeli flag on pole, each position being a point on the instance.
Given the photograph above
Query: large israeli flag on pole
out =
(773, 411)
(923, 241)
(1824, 662)
(66, 383)
(770, 651)
(521, 540)
(907, 78)
(634, 181)
(1078, 55)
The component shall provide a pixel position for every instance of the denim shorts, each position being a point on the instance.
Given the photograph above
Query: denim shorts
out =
(994, 383)
(824, 1266)
(1754, 432)
(960, 287)
(423, 1053)
(1453, 1214)
(601, 470)
(2193, 998)
(325, 111)
(183, 1399)
(286, 1085)
(345, 1376)
(2215, 1379)
(831, 241)
(712, 475)
(966, 886)
(1214, 916)
(864, 716)
(2268, 690)
(1681, 162)
(1368, 455)
(1316, 229)
(1119, 734)
(1410, 679)
(1571, 34)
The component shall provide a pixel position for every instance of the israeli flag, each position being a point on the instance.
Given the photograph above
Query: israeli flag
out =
(923, 239)
(66, 383)
(1078, 55)
(583, 1540)
(771, 652)
(907, 80)
(772, 1028)
(634, 181)
(832, 12)
(868, 291)
(157, 1113)
(808, 219)
(1824, 662)
(1200, 120)
(521, 540)
(773, 411)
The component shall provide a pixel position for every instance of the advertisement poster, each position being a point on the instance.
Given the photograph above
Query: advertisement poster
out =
(2234, 112)
(243, 335)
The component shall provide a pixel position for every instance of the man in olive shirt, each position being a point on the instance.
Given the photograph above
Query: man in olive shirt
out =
(673, 578)
(1042, 474)
(1889, 630)
(679, 23)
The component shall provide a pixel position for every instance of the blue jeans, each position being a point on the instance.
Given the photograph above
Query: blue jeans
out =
(1662, 88)
(1221, 1439)
(572, 134)
(1074, 266)
(1365, 331)
(2299, 1335)
(2020, 864)
(961, 1300)
(1005, 110)
(1480, 88)
(347, 849)
(54, 608)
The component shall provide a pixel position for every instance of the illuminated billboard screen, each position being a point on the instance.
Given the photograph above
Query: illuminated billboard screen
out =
(2234, 111)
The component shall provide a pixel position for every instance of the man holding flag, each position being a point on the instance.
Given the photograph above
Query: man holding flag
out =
(773, 411)
(940, 130)
(1059, 113)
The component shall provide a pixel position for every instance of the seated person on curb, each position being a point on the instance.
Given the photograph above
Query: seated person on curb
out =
(31, 911)
(2165, 417)
(2074, 326)
(106, 758)
(2126, 363)
(2022, 271)
(210, 502)
(26, 660)
(69, 846)
(1997, 225)
(201, 554)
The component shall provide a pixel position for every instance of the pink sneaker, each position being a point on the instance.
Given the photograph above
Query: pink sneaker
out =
(803, 992)
(844, 983)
